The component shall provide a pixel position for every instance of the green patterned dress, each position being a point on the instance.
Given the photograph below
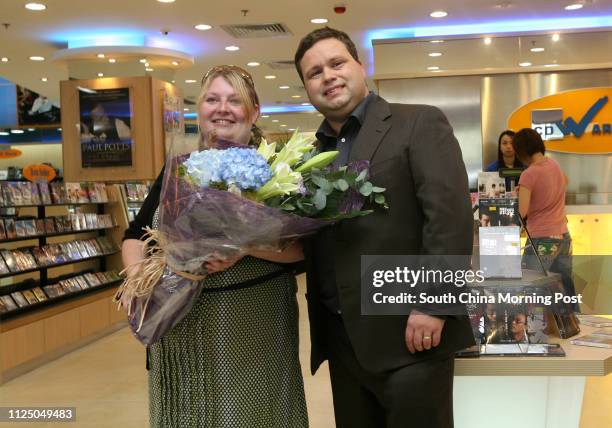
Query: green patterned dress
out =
(232, 362)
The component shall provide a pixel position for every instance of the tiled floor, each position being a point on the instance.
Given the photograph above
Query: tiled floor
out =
(107, 383)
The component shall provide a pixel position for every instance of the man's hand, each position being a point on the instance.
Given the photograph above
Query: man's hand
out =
(219, 263)
(423, 331)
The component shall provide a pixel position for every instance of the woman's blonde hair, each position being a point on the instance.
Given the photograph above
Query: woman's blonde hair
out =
(242, 82)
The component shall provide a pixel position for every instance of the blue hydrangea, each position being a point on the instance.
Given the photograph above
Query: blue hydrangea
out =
(242, 167)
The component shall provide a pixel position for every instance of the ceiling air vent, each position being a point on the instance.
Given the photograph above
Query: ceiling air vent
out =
(253, 31)
(281, 65)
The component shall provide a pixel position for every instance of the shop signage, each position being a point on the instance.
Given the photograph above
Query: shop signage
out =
(10, 153)
(578, 121)
(36, 173)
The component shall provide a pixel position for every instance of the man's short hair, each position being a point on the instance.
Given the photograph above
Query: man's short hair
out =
(527, 142)
(317, 35)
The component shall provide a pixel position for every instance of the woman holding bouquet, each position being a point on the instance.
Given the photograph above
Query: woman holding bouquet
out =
(233, 360)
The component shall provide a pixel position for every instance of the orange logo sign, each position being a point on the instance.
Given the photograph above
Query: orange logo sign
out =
(578, 121)
(10, 153)
(39, 173)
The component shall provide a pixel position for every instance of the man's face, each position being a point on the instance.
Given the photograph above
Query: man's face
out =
(334, 81)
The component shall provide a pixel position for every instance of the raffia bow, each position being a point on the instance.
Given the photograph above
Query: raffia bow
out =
(150, 271)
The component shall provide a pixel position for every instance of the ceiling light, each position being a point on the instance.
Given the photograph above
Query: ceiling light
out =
(4, 59)
(185, 109)
(537, 49)
(305, 104)
(551, 65)
(283, 87)
(142, 60)
(17, 131)
(524, 64)
(487, 41)
(59, 129)
(282, 124)
(436, 41)
(574, 6)
(149, 69)
(253, 64)
(37, 58)
(433, 68)
(319, 115)
(232, 48)
(100, 55)
(146, 64)
(274, 120)
(166, 1)
(175, 63)
(44, 79)
(265, 116)
(190, 81)
(296, 96)
(438, 14)
(112, 60)
(202, 27)
(435, 54)
(173, 81)
(555, 37)
(31, 129)
(100, 74)
(318, 21)
(436, 71)
(291, 129)
(269, 77)
(4, 133)
(35, 6)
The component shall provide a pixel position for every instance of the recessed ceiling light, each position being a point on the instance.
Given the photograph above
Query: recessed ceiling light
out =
(283, 87)
(296, 96)
(524, 64)
(100, 74)
(269, 77)
(274, 120)
(433, 68)
(537, 49)
(232, 48)
(253, 64)
(291, 129)
(190, 81)
(438, 14)
(265, 115)
(319, 115)
(149, 69)
(202, 27)
(44, 79)
(555, 37)
(59, 129)
(166, 1)
(319, 20)
(142, 60)
(4, 133)
(17, 131)
(434, 54)
(282, 124)
(175, 63)
(37, 58)
(185, 109)
(146, 64)
(100, 55)
(487, 40)
(35, 6)
(436, 41)
(574, 6)
(551, 65)
(436, 71)
(305, 104)
(173, 81)
(112, 60)
(4, 59)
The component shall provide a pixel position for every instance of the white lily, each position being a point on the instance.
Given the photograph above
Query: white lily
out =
(284, 182)
(294, 150)
(266, 150)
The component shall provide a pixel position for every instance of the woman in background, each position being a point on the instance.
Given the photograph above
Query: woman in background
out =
(542, 206)
(506, 158)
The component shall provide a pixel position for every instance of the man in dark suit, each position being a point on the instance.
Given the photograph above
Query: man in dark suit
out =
(386, 371)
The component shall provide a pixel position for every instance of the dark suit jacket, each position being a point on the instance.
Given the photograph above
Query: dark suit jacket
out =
(415, 156)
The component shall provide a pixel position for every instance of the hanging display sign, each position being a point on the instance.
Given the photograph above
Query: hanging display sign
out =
(10, 153)
(106, 136)
(578, 121)
(36, 173)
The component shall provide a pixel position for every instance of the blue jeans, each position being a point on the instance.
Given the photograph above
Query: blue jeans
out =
(556, 256)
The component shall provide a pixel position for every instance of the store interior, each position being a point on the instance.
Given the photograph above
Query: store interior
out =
(63, 210)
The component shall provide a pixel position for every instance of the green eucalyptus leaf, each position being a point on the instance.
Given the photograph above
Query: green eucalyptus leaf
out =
(379, 199)
(366, 189)
(378, 189)
(362, 175)
(320, 199)
(341, 185)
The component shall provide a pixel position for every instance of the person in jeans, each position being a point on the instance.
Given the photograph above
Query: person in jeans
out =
(542, 206)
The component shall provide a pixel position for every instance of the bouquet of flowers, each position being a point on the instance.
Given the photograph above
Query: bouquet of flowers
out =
(229, 198)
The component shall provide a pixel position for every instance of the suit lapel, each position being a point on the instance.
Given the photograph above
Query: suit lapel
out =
(372, 131)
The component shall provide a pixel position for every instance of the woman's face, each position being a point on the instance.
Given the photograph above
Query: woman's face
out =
(506, 146)
(223, 112)
(519, 325)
